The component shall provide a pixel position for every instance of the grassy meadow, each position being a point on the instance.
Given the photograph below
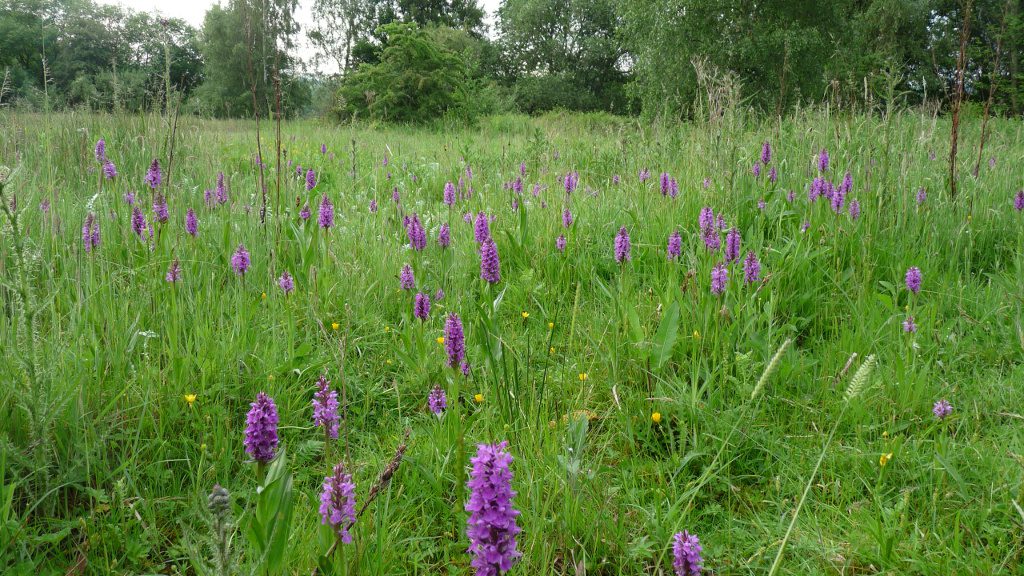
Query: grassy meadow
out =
(636, 402)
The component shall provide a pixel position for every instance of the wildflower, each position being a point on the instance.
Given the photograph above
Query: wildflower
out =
(310, 180)
(414, 231)
(455, 340)
(373, 206)
(261, 429)
(751, 268)
(566, 218)
(525, 315)
(909, 326)
(664, 180)
(756, 170)
(644, 175)
(439, 295)
(153, 175)
(437, 400)
(732, 245)
(706, 183)
(421, 306)
(805, 226)
(673, 188)
(109, 170)
(191, 223)
(338, 503)
(44, 206)
(675, 245)
(766, 153)
(847, 183)
(761, 204)
(616, 179)
(449, 194)
(790, 196)
(325, 407)
(941, 409)
(837, 200)
(551, 325)
(686, 551)
(884, 459)
(1018, 201)
(394, 196)
(160, 213)
(696, 335)
(286, 282)
(913, 279)
(440, 340)
(406, 279)
(263, 296)
(706, 218)
(823, 161)
(560, 243)
(854, 210)
(464, 368)
(101, 150)
(323, 148)
(481, 229)
(719, 278)
(444, 236)
(490, 265)
(173, 272)
(91, 232)
(656, 417)
(138, 222)
(571, 181)
(492, 525)
(583, 376)
(478, 397)
(622, 246)
(773, 175)
(240, 260)
(335, 326)
(190, 399)
(221, 189)
(325, 215)
(305, 213)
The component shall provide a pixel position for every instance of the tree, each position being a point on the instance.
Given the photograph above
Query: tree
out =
(417, 79)
(244, 45)
(562, 53)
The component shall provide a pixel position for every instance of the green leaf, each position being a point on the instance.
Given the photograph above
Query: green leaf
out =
(665, 338)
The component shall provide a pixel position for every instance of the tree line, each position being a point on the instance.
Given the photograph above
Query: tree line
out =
(415, 60)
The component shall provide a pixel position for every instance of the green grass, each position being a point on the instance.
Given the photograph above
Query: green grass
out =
(107, 468)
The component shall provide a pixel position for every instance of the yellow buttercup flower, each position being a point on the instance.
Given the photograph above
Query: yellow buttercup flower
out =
(479, 398)
(270, 376)
(583, 376)
(656, 417)
(551, 325)
(335, 326)
(526, 315)
(264, 296)
(387, 329)
(388, 361)
(190, 399)
(884, 459)
(551, 350)
(885, 434)
(440, 339)
(696, 335)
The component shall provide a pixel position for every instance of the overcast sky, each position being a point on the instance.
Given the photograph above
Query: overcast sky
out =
(192, 11)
